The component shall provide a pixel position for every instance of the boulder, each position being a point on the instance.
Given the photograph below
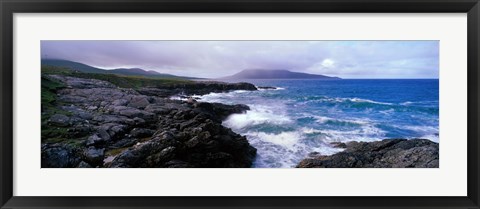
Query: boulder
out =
(94, 155)
(139, 102)
(141, 132)
(95, 140)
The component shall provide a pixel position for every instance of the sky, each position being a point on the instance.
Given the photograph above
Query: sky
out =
(214, 59)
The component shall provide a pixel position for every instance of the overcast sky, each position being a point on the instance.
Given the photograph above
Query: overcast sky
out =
(213, 59)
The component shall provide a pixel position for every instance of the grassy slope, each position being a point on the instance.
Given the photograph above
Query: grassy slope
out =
(122, 81)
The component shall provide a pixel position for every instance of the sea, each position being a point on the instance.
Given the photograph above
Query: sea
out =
(300, 117)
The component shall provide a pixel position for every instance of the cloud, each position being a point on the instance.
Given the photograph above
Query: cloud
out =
(348, 59)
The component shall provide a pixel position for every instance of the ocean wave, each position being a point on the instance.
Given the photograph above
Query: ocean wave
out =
(324, 119)
(344, 100)
(423, 132)
(285, 149)
(418, 102)
(221, 97)
(287, 139)
(258, 114)
(364, 133)
(178, 98)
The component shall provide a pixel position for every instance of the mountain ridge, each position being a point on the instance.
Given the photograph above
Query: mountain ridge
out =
(118, 71)
(276, 74)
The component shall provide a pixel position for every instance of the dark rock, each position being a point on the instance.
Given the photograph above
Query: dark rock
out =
(125, 142)
(388, 153)
(59, 120)
(120, 102)
(83, 164)
(220, 111)
(141, 132)
(159, 159)
(94, 156)
(95, 140)
(59, 156)
(266, 87)
(80, 130)
(113, 130)
(157, 109)
(177, 164)
(339, 145)
(139, 102)
(197, 88)
(104, 118)
(133, 113)
(157, 92)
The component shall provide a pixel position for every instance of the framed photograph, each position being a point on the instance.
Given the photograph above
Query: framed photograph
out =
(239, 104)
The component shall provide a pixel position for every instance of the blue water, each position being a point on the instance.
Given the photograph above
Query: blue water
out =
(305, 116)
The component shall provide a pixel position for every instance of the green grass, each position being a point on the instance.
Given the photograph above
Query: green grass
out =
(50, 106)
(122, 81)
(49, 98)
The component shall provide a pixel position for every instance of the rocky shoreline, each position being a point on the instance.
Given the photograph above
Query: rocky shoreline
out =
(388, 153)
(100, 125)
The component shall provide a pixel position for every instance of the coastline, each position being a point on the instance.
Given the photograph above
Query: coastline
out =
(121, 127)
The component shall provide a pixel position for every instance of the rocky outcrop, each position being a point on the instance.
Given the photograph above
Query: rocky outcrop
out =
(101, 125)
(197, 88)
(388, 153)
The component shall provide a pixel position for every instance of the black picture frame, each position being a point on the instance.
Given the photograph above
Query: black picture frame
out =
(10, 7)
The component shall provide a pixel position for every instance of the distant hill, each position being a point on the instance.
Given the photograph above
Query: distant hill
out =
(275, 74)
(120, 71)
(136, 71)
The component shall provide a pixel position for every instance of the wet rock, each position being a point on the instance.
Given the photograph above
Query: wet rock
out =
(220, 111)
(195, 88)
(388, 153)
(339, 145)
(266, 87)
